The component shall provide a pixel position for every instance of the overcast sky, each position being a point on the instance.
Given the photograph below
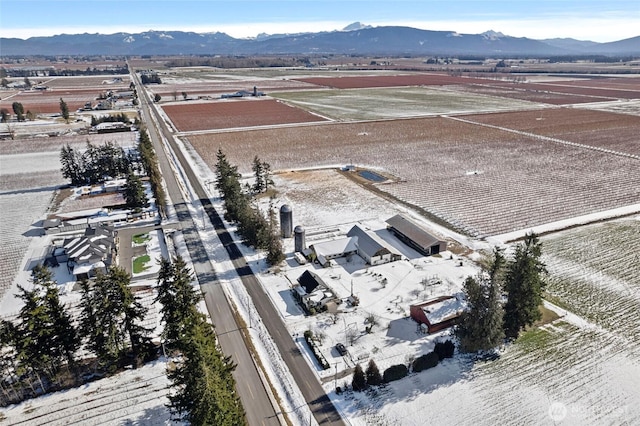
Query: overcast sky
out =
(596, 20)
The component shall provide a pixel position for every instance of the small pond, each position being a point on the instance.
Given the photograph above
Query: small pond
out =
(372, 176)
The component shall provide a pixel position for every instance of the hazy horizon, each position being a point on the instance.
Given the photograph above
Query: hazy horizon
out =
(583, 20)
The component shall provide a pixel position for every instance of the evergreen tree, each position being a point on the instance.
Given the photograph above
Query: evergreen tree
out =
(134, 193)
(45, 337)
(204, 387)
(133, 314)
(259, 184)
(72, 165)
(64, 110)
(178, 299)
(18, 110)
(4, 115)
(359, 380)
(524, 285)
(373, 375)
(101, 321)
(480, 326)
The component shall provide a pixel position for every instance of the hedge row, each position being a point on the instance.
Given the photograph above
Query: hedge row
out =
(321, 360)
(424, 362)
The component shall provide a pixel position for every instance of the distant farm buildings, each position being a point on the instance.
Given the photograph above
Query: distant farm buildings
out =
(242, 94)
(415, 236)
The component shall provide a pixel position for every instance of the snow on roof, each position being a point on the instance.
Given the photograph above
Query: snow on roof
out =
(335, 247)
(86, 267)
(369, 243)
(412, 230)
(442, 309)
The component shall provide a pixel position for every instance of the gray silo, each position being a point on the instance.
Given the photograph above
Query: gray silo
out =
(286, 221)
(299, 242)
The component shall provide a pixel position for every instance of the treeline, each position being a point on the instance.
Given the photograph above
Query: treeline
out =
(238, 62)
(150, 78)
(203, 387)
(39, 350)
(150, 164)
(52, 72)
(504, 298)
(112, 118)
(97, 163)
(257, 230)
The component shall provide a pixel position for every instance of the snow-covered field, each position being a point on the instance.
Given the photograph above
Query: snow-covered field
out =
(582, 369)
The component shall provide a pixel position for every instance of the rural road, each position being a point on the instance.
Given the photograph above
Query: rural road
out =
(319, 403)
(255, 399)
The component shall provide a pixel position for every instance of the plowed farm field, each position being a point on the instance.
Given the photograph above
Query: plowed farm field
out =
(390, 81)
(481, 180)
(522, 92)
(191, 116)
(48, 102)
(616, 132)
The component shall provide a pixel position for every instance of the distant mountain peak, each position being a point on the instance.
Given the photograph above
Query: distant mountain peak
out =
(356, 26)
(492, 35)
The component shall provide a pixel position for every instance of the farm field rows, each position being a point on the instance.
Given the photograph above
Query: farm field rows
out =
(369, 81)
(520, 91)
(48, 144)
(398, 102)
(235, 113)
(481, 180)
(617, 132)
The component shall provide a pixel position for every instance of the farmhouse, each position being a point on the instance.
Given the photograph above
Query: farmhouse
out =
(92, 252)
(437, 314)
(312, 292)
(373, 249)
(415, 236)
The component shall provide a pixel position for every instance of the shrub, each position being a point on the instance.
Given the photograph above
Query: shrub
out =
(359, 381)
(426, 361)
(395, 372)
(445, 350)
(373, 374)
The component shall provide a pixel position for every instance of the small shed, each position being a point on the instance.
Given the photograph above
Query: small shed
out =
(415, 236)
(437, 314)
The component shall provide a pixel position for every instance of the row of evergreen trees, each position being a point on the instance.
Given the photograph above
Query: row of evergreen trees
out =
(98, 162)
(256, 230)
(40, 348)
(150, 164)
(95, 163)
(203, 387)
(504, 298)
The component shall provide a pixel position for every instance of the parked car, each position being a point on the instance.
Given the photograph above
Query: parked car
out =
(341, 349)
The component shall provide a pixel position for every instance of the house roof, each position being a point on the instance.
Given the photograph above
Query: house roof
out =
(94, 246)
(310, 281)
(369, 243)
(413, 231)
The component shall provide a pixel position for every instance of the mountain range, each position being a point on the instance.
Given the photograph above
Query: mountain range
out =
(355, 39)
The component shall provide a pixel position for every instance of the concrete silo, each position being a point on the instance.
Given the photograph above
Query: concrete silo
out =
(299, 242)
(286, 221)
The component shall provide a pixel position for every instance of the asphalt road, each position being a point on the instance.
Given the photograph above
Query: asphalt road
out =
(255, 399)
(321, 406)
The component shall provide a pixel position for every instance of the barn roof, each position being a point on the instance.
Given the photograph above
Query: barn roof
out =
(369, 243)
(413, 231)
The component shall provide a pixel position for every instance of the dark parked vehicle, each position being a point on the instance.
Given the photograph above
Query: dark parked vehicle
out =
(341, 349)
